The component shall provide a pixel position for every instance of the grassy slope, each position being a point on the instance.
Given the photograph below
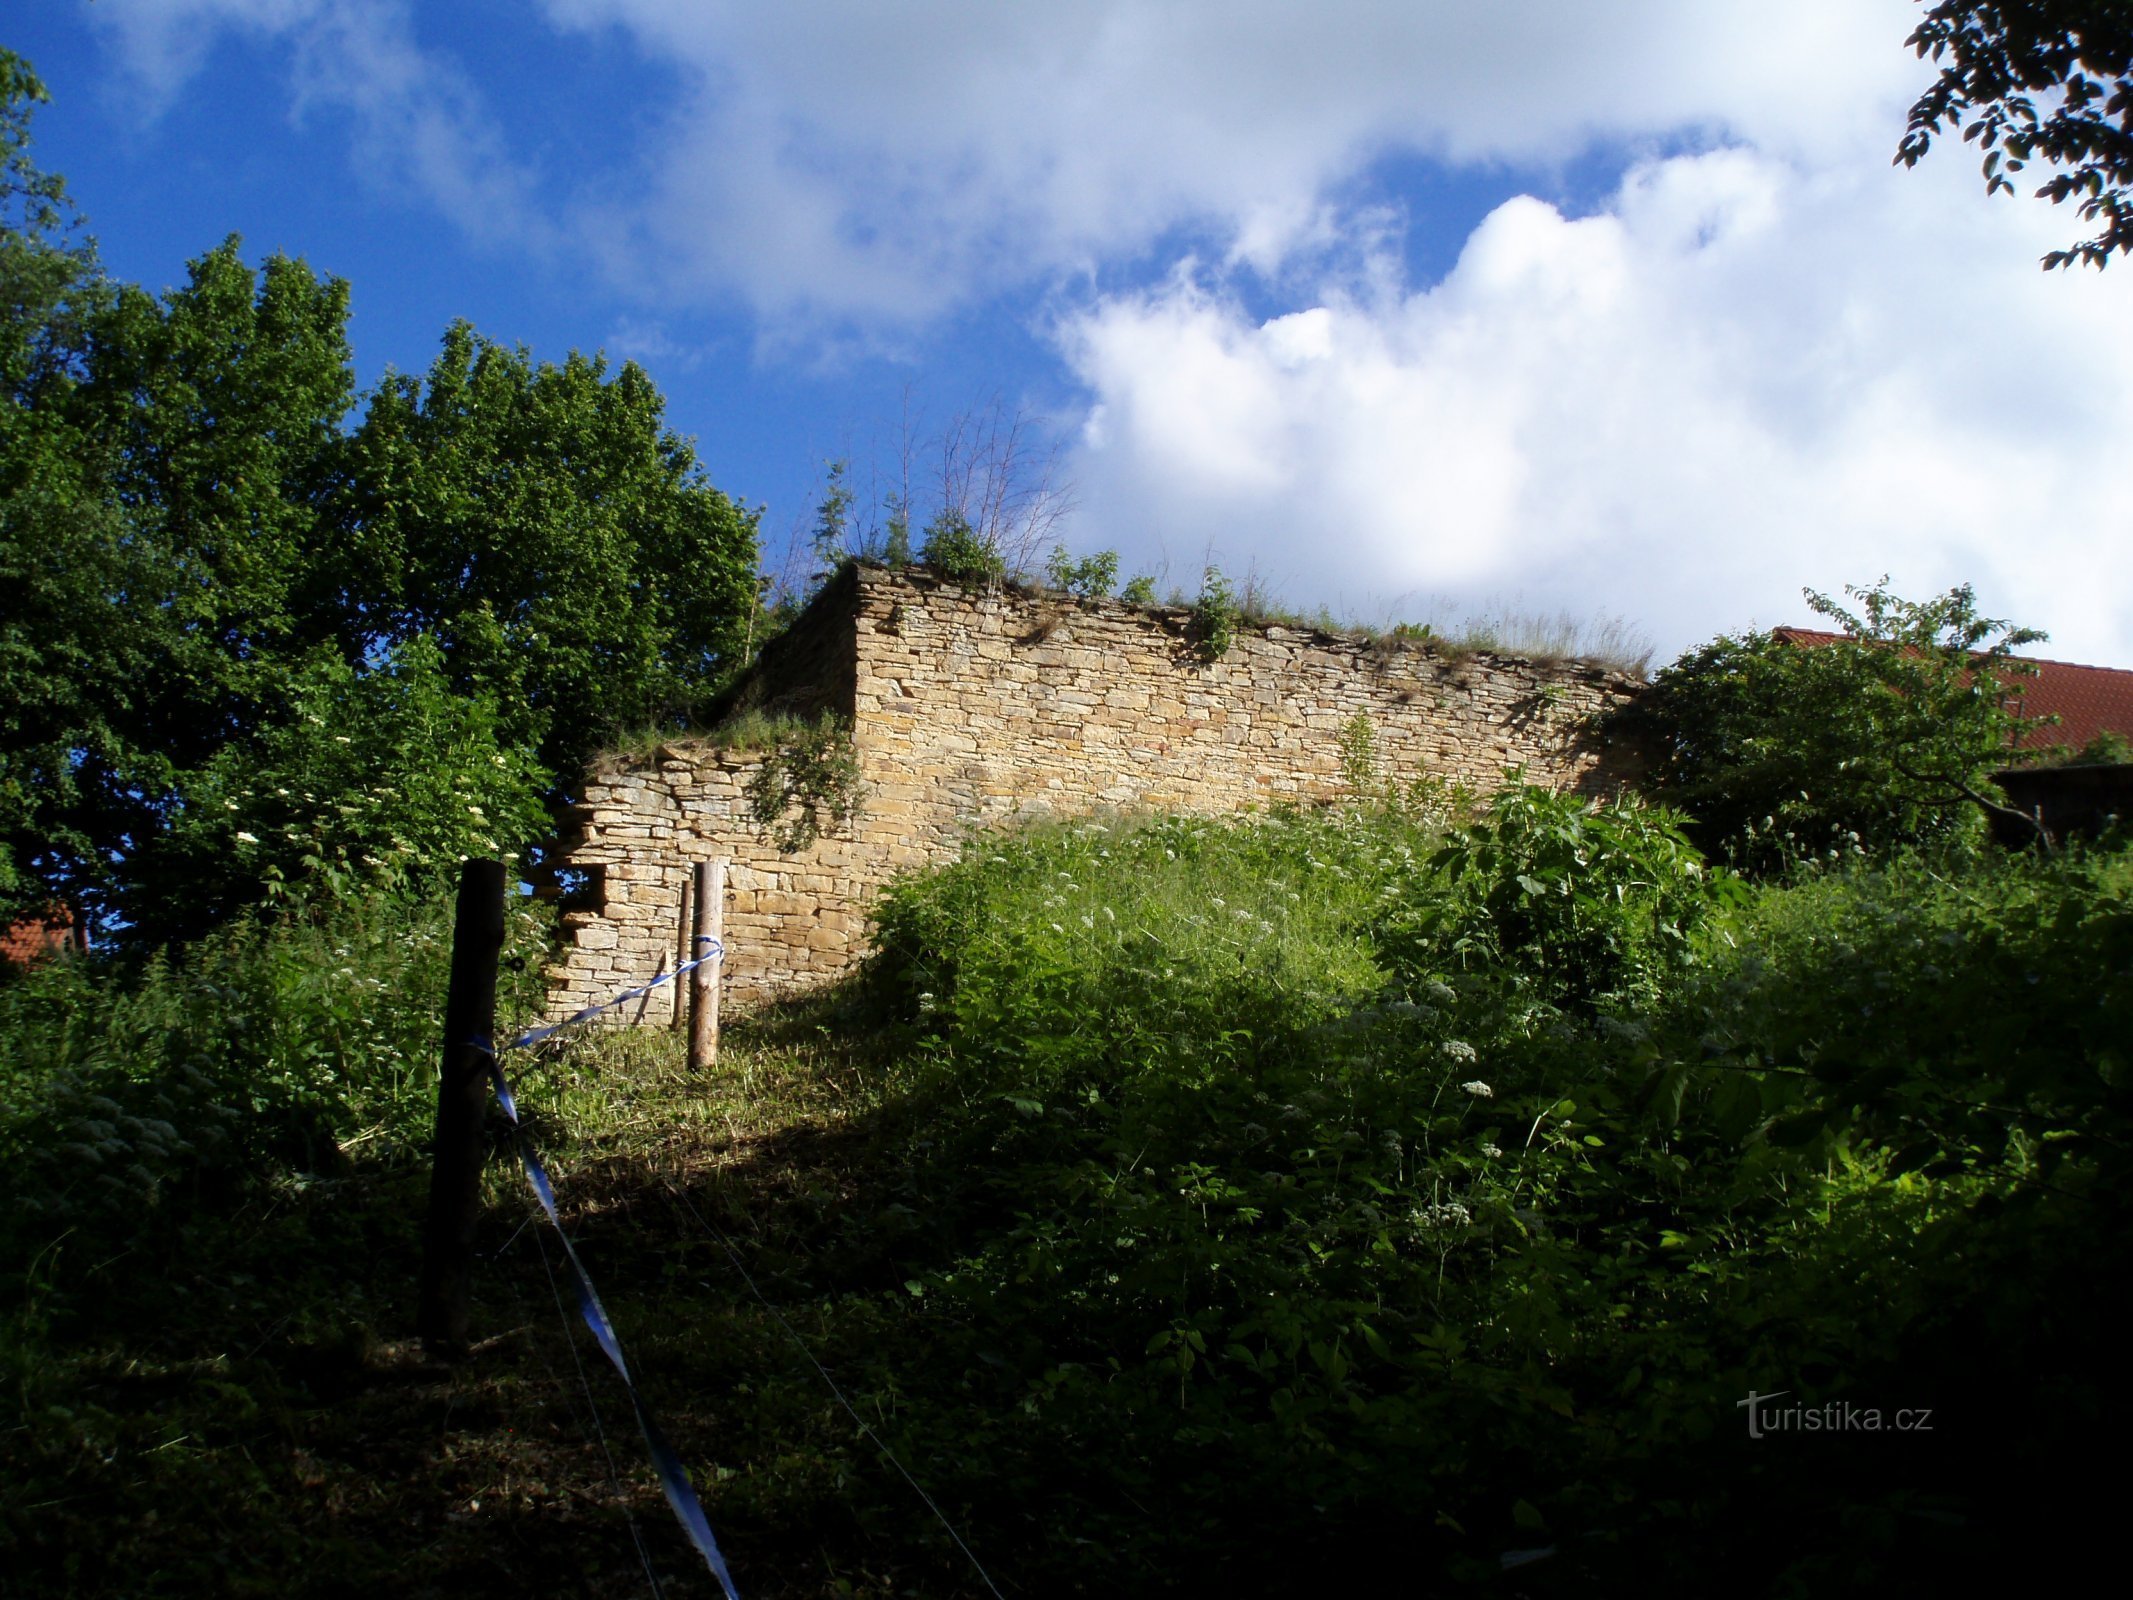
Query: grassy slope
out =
(219, 1397)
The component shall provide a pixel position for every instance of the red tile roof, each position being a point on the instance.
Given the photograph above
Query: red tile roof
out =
(36, 935)
(2086, 700)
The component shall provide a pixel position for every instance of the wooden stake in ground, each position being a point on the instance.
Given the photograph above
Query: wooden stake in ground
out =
(710, 933)
(462, 1098)
(682, 935)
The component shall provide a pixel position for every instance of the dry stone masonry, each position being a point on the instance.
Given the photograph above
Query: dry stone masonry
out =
(974, 709)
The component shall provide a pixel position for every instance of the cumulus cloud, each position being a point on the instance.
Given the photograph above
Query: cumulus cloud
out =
(1767, 360)
(843, 160)
(891, 160)
(1743, 376)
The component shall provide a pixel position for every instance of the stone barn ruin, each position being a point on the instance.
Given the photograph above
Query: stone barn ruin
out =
(973, 708)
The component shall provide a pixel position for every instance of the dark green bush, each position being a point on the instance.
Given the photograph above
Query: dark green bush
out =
(133, 1092)
(959, 553)
(1350, 1189)
(1593, 903)
(1883, 737)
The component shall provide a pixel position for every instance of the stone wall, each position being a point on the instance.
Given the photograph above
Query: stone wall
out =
(976, 709)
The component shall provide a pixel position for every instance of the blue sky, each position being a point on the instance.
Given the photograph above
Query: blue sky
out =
(1413, 309)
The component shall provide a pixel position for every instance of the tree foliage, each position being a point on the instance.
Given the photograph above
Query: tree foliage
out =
(202, 548)
(1884, 736)
(552, 533)
(2043, 81)
(363, 779)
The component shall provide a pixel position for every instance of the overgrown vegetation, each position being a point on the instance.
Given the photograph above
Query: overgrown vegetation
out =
(807, 785)
(959, 553)
(1263, 1199)
(1418, 1187)
(1090, 578)
(227, 571)
(1214, 617)
(1882, 736)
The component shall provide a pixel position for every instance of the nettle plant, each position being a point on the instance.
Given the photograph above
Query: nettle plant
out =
(808, 785)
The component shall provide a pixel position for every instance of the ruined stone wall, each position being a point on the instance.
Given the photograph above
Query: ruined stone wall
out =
(791, 920)
(973, 709)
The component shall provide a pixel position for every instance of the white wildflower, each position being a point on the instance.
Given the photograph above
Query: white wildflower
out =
(1443, 1214)
(244, 837)
(1479, 1090)
(1493, 1152)
(1458, 1049)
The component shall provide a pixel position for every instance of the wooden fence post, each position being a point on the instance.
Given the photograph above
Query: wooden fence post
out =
(710, 925)
(682, 954)
(462, 1098)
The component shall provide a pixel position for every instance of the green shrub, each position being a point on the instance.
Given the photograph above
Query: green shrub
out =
(382, 780)
(958, 552)
(1091, 578)
(132, 1092)
(1215, 616)
(1595, 903)
(1882, 738)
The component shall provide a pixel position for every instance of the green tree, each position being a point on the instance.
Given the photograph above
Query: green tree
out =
(161, 557)
(833, 524)
(1884, 736)
(555, 537)
(65, 677)
(214, 585)
(2048, 81)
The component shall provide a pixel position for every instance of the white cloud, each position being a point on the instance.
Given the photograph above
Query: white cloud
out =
(845, 161)
(887, 161)
(1742, 377)
(1773, 363)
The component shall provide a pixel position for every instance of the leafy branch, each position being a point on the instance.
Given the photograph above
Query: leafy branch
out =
(808, 785)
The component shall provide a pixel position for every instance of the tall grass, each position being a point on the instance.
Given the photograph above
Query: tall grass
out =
(133, 1091)
(1403, 1196)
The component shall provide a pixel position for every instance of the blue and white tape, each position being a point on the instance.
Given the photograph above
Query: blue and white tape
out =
(717, 952)
(673, 1478)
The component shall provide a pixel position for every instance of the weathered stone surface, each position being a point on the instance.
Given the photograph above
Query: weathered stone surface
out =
(971, 709)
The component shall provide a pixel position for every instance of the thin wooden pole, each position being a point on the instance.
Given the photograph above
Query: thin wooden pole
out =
(682, 934)
(462, 1098)
(710, 930)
